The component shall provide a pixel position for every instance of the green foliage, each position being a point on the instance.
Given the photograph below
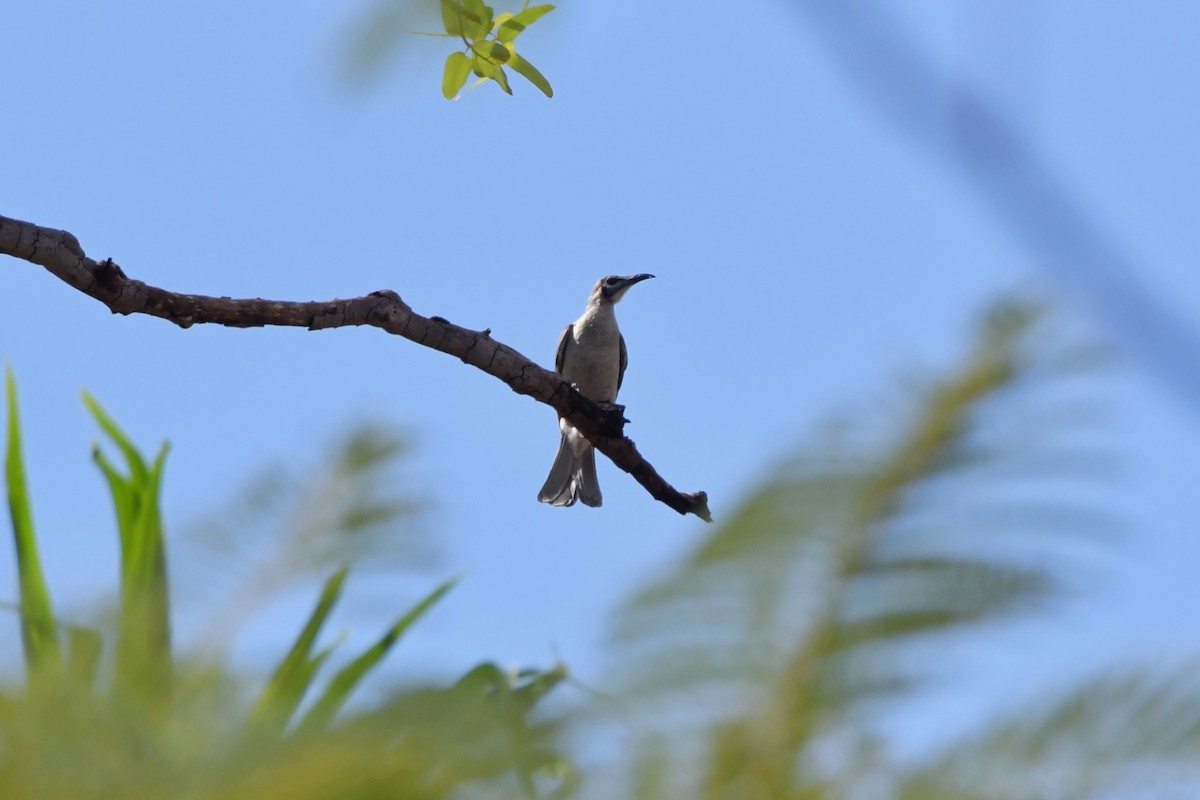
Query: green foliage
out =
(813, 603)
(755, 667)
(290, 522)
(1125, 731)
(294, 675)
(39, 634)
(338, 691)
(481, 726)
(143, 659)
(490, 45)
(168, 727)
(458, 67)
(489, 40)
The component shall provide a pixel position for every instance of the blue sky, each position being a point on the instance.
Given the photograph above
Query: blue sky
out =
(219, 149)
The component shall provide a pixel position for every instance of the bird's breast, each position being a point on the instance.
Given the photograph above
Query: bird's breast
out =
(593, 361)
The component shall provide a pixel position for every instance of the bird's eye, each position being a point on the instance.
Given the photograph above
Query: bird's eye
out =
(611, 281)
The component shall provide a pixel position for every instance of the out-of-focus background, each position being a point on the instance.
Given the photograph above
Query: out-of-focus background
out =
(922, 328)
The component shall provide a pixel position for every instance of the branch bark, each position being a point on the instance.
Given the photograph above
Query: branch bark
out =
(60, 253)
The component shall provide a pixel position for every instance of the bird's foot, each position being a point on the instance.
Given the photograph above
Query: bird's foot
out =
(615, 412)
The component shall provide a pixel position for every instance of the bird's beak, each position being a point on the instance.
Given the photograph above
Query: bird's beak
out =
(616, 290)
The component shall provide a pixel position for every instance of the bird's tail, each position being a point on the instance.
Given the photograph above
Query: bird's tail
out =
(572, 477)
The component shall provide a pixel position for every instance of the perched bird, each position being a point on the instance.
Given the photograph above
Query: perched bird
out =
(591, 355)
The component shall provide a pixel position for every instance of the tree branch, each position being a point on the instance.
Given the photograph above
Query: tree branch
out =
(60, 253)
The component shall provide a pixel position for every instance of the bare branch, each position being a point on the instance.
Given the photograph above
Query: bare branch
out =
(60, 253)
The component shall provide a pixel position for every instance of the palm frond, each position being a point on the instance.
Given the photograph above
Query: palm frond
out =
(810, 599)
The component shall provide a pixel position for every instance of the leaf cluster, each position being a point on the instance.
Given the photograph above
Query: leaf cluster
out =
(490, 42)
(152, 725)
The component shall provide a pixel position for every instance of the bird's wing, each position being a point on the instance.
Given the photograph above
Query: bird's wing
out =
(561, 355)
(624, 362)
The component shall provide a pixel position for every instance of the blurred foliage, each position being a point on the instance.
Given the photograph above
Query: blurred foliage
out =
(758, 666)
(140, 723)
(1121, 734)
(290, 522)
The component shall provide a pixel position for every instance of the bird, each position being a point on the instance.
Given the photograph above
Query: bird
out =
(592, 357)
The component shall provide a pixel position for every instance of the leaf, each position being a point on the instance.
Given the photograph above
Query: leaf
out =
(483, 679)
(501, 78)
(453, 15)
(530, 73)
(482, 67)
(137, 464)
(534, 684)
(458, 67)
(512, 28)
(143, 657)
(532, 14)
(293, 676)
(493, 51)
(39, 634)
(345, 681)
(477, 19)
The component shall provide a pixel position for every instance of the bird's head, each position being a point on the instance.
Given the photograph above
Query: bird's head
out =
(613, 288)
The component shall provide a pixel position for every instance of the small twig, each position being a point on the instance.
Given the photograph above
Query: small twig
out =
(60, 253)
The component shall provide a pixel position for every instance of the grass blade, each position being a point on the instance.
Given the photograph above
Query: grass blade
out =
(137, 464)
(39, 634)
(292, 677)
(345, 681)
(143, 659)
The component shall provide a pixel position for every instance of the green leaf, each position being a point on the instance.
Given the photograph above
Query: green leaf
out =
(483, 679)
(493, 51)
(137, 464)
(478, 19)
(345, 681)
(122, 497)
(482, 67)
(292, 677)
(501, 78)
(143, 653)
(530, 15)
(509, 30)
(458, 67)
(39, 634)
(531, 74)
(512, 28)
(453, 15)
(534, 684)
